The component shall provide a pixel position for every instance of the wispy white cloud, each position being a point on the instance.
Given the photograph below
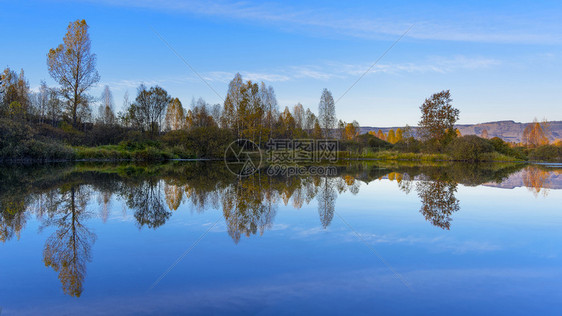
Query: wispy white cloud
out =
(438, 244)
(130, 84)
(470, 25)
(220, 76)
(434, 64)
(225, 76)
(265, 77)
(313, 72)
(323, 72)
(337, 70)
(134, 83)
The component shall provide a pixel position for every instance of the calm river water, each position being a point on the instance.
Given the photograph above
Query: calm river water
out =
(189, 237)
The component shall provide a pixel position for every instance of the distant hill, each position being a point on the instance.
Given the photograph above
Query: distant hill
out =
(507, 130)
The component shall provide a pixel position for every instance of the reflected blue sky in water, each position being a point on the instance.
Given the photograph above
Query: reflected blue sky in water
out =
(501, 255)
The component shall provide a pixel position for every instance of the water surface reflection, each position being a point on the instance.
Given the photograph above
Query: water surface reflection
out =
(58, 197)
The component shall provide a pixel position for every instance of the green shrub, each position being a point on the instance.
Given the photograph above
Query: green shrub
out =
(503, 147)
(102, 153)
(36, 150)
(71, 135)
(151, 154)
(434, 146)
(500, 145)
(181, 152)
(546, 153)
(362, 143)
(377, 143)
(468, 148)
(131, 145)
(368, 140)
(103, 135)
(13, 132)
(17, 142)
(410, 145)
(496, 156)
(350, 146)
(66, 127)
(48, 151)
(202, 142)
(50, 132)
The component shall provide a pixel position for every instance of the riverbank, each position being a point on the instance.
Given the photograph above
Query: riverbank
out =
(115, 153)
(390, 155)
(29, 142)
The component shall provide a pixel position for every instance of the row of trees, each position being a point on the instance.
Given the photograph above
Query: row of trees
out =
(250, 110)
(48, 104)
(15, 94)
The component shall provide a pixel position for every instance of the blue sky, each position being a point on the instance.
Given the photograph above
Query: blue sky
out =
(502, 60)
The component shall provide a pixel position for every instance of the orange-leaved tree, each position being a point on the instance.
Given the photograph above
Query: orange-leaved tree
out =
(536, 134)
(73, 66)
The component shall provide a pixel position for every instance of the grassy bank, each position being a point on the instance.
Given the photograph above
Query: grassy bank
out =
(395, 155)
(42, 152)
(118, 152)
(21, 141)
(400, 156)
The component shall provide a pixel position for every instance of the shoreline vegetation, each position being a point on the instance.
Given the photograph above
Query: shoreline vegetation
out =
(60, 123)
(115, 154)
(29, 142)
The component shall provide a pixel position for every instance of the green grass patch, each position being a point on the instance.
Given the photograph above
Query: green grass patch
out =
(394, 155)
(117, 152)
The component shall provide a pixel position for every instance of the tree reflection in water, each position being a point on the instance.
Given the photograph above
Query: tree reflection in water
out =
(13, 217)
(104, 200)
(68, 249)
(59, 198)
(174, 195)
(536, 180)
(146, 199)
(248, 207)
(326, 201)
(438, 201)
